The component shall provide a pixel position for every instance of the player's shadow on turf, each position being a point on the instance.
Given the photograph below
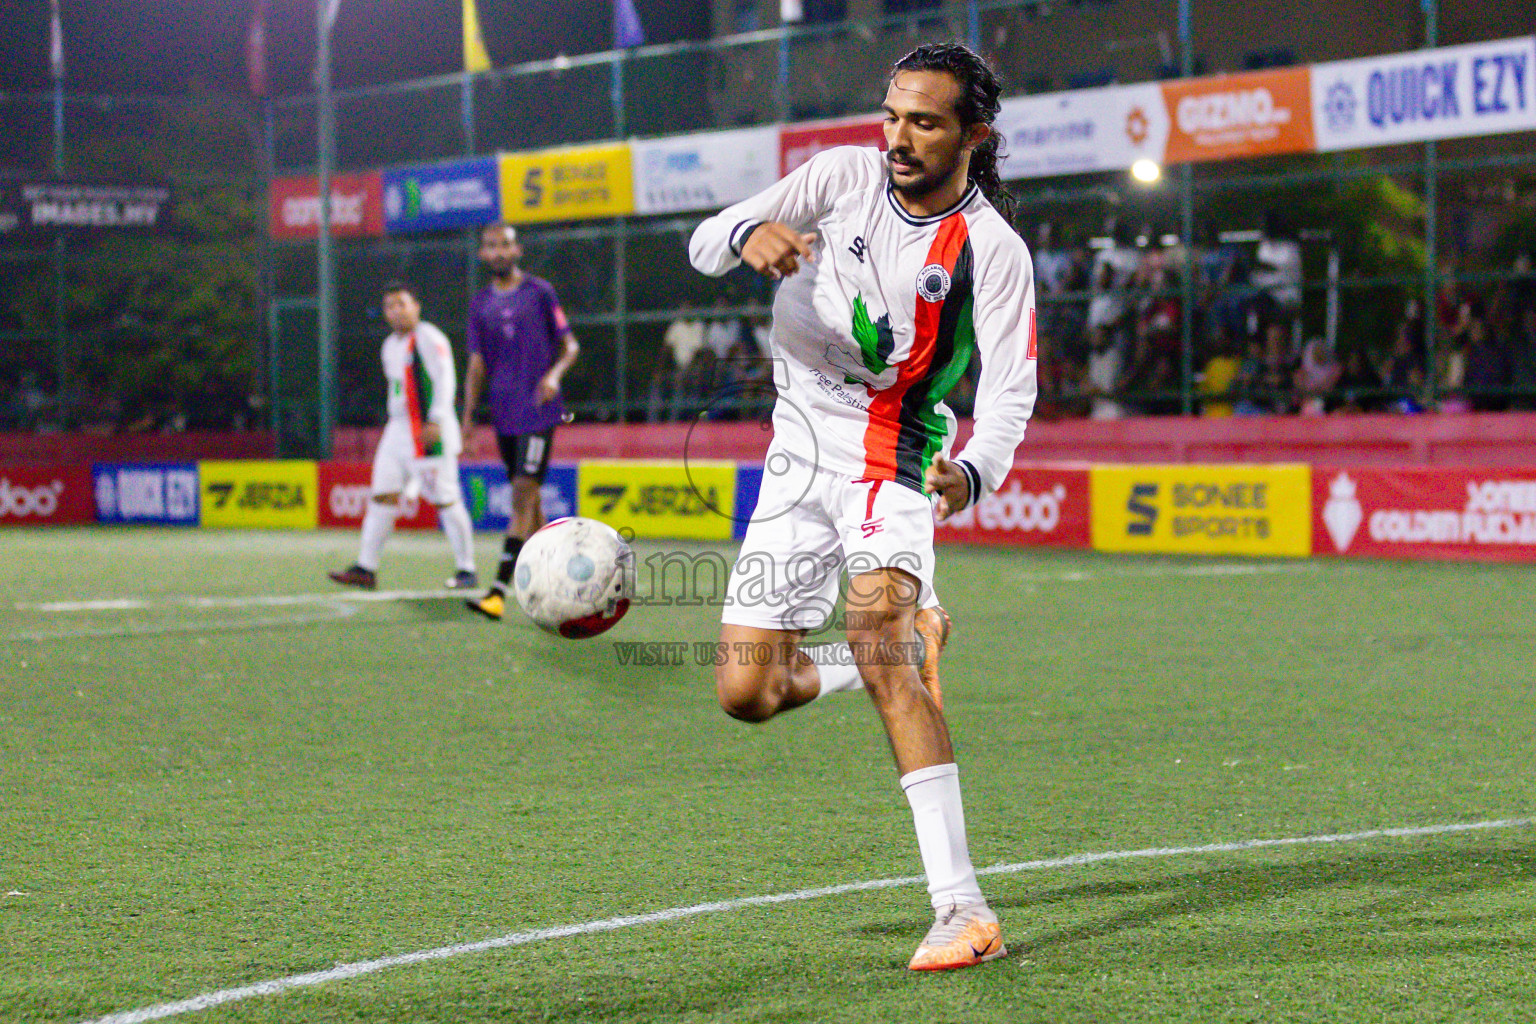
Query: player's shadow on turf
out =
(1384, 907)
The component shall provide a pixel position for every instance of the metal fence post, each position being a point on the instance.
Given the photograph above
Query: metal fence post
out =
(1431, 227)
(620, 256)
(1187, 211)
(61, 357)
(326, 269)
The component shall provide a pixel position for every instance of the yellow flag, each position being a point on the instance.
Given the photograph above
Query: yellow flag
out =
(475, 57)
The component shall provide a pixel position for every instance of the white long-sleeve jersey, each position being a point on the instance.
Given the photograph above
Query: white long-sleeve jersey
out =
(869, 338)
(420, 382)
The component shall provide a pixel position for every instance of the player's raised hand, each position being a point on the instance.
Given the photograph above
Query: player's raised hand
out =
(950, 483)
(775, 250)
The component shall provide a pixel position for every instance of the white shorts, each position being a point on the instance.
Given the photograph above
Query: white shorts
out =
(811, 528)
(398, 470)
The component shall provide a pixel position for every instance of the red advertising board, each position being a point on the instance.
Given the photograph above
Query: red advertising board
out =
(46, 495)
(344, 498)
(1037, 505)
(1425, 512)
(799, 144)
(357, 206)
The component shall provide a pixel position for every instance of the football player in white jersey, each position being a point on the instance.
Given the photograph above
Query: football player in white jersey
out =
(894, 268)
(418, 452)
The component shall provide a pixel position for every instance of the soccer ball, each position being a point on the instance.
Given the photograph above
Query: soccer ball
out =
(575, 577)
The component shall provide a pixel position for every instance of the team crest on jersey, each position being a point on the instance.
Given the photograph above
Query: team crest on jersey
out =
(933, 282)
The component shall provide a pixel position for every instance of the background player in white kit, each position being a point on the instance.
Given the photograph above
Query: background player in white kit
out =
(419, 449)
(894, 268)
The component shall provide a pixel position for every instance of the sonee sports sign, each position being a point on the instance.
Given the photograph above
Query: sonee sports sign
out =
(1203, 510)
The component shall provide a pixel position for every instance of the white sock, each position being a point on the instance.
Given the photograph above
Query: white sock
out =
(378, 524)
(461, 534)
(834, 664)
(939, 816)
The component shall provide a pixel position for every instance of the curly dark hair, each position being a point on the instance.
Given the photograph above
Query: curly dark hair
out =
(979, 104)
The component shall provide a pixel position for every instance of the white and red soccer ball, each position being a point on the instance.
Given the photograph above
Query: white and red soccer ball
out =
(575, 577)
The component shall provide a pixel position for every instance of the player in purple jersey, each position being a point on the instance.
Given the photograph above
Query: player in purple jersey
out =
(520, 343)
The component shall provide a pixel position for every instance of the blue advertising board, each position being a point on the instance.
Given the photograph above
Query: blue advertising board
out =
(431, 197)
(749, 482)
(162, 493)
(488, 493)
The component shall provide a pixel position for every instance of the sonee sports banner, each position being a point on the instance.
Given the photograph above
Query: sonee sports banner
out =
(1203, 510)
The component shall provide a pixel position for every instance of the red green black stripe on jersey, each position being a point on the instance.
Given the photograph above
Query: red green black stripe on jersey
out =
(418, 396)
(905, 427)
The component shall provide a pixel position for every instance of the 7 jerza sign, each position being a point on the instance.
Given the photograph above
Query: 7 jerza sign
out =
(40, 207)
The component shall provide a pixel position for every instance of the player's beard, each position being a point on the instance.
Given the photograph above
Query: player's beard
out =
(927, 180)
(502, 270)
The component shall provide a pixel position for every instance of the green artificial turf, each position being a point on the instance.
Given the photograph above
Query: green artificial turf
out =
(198, 795)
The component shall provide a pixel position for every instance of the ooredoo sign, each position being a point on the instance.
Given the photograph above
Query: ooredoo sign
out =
(1034, 506)
(357, 206)
(45, 496)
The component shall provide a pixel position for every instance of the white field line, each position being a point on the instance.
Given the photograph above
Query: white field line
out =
(1217, 570)
(342, 972)
(118, 604)
(330, 613)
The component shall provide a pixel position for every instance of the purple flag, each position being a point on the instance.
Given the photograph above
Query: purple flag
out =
(56, 42)
(627, 30)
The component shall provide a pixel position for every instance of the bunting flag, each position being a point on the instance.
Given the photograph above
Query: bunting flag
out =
(55, 43)
(256, 50)
(475, 56)
(627, 30)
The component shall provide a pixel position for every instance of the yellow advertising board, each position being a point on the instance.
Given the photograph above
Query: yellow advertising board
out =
(672, 499)
(1203, 510)
(566, 184)
(260, 494)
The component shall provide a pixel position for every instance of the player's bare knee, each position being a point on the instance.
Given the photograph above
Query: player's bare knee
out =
(742, 693)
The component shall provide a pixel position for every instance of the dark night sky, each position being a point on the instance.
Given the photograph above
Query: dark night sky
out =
(161, 46)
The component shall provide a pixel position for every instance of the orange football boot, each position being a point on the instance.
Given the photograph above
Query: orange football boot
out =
(960, 937)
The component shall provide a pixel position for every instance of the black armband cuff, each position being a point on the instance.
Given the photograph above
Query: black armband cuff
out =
(739, 235)
(973, 478)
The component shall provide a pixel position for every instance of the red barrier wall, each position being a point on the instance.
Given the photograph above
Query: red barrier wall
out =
(1486, 439)
(1473, 439)
(189, 447)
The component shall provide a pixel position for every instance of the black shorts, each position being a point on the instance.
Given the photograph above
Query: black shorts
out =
(526, 454)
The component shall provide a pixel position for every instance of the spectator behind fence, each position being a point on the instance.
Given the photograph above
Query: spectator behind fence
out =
(1278, 367)
(1277, 272)
(1403, 373)
(1222, 285)
(1219, 377)
(1105, 371)
(1522, 332)
(1317, 374)
(1487, 363)
(1249, 386)
(676, 366)
(1357, 383)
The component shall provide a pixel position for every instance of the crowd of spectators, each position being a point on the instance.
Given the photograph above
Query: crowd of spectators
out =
(712, 364)
(1112, 334)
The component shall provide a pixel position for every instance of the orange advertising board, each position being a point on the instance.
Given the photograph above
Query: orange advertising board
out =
(1259, 113)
